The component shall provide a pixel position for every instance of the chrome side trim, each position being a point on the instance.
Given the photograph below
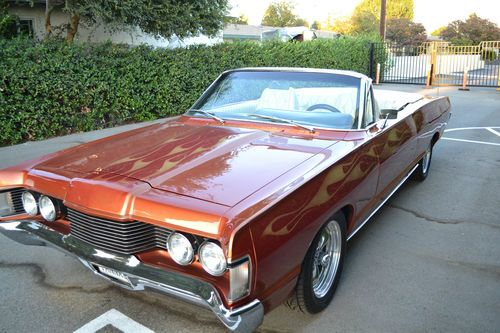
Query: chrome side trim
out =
(138, 275)
(383, 202)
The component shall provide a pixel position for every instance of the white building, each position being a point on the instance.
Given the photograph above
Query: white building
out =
(240, 32)
(32, 22)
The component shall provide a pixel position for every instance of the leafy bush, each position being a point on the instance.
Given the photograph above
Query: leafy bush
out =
(52, 88)
(7, 21)
(489, 54)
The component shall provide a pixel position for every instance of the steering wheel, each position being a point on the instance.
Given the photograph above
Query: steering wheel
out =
(324, 107)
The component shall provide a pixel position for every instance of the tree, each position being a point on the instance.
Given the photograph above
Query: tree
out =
(405, 32)
(160, 18)
(342, 26)
(242, 19)
(280, 14)
(316, 25)
(366, 16)
(472, 31)
(438, 31)
(365, 22)
(300, 22)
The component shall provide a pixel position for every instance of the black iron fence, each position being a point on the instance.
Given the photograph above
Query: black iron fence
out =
(437, 63)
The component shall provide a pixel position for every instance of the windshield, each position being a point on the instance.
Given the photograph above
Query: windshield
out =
(299, 98)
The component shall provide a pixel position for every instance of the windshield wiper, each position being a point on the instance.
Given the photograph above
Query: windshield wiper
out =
(283, 120)
(208, 114)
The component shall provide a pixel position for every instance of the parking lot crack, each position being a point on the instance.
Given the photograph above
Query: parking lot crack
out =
(40, 278)
(490, 269)
(437, 220)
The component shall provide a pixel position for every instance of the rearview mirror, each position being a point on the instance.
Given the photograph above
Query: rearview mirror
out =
(389, 114)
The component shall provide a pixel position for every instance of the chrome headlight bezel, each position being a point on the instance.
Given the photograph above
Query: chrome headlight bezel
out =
(48, 208)
(30, 203)
(208, 259)
(173, 248)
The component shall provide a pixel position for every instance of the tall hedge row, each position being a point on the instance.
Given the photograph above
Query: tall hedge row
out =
(51, 88)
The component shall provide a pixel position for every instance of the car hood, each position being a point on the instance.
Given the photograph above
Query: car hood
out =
(219, 164)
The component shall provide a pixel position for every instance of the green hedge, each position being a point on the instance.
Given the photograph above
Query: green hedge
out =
(51, 88)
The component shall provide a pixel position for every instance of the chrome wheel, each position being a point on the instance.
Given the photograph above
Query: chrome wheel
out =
(326, 258)
(426, 160)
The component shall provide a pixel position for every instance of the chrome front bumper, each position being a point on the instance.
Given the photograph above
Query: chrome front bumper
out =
(140, 276)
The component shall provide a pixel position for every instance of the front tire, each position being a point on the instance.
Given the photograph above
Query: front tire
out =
(322, 266)
(424, 165)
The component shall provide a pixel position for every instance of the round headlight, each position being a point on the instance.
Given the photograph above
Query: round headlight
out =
(180, 248)
(47, 208)
(29, 203)
(212, 258)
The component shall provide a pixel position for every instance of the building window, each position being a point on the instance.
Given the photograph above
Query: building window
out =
(25, 27)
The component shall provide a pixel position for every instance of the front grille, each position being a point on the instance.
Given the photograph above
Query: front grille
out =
(16, 199)
(122, 237)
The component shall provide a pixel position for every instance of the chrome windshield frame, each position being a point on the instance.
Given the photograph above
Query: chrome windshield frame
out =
(362, 90)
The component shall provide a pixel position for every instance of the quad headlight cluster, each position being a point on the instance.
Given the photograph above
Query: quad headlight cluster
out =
(33, 203)
(211, 255)
(183, 247)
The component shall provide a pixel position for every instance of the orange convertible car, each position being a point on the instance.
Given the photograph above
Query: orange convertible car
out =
(247, 198)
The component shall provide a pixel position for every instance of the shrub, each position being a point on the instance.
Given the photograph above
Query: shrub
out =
(52, 88)
(489, 54)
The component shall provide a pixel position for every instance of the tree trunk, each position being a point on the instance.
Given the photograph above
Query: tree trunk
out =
(48, 13)
(73, 28)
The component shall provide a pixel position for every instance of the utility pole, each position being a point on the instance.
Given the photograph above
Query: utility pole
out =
(382, 20)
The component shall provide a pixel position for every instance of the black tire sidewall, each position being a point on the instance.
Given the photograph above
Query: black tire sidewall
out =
(307, 300)
(420, 175)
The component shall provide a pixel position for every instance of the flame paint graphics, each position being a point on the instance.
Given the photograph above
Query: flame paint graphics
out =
(324, 190)
(394, 139)
(168, 154)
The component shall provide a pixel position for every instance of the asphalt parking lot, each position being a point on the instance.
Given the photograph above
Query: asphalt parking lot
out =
(428, 261)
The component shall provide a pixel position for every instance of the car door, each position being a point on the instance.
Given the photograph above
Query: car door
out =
(396, 150)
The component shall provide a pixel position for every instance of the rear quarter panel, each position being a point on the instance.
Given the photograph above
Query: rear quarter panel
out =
(430, 119)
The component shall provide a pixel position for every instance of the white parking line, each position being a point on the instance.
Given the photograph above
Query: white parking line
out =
(493, 131)
(468, 128)
(472, 141)
(116, 319)
(489, 128)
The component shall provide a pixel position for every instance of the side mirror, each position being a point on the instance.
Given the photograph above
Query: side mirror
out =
(389, 114)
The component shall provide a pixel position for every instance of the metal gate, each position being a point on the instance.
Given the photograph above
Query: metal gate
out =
(438, 63)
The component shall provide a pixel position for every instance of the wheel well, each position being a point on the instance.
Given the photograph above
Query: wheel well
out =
(435, 138)
(348, 211)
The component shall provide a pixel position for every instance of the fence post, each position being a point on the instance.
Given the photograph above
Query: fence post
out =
(434, 50)
(498, 83)
(372, 59)
(428, 80)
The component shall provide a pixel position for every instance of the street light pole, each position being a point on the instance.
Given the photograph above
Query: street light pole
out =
(382, 19)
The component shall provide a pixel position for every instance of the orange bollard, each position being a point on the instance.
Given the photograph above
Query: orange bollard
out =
(377, 78)
(464, 81)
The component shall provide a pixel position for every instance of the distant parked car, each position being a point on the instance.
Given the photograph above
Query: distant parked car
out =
(246, 198)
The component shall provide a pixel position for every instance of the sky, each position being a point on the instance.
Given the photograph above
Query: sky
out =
(431, 13)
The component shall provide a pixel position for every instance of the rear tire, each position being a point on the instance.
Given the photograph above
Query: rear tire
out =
(322, 266)
(424, 165)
